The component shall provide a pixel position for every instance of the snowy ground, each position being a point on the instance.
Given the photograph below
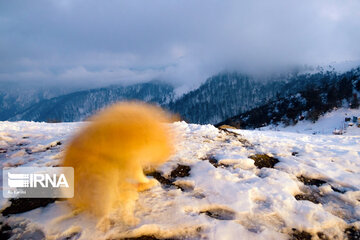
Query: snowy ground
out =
(225, 195)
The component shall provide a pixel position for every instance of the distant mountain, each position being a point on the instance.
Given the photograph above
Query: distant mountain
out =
(253, 101)
(318, 94)
(223, 96)
(78, 106)
(15, 99)
(229, 94)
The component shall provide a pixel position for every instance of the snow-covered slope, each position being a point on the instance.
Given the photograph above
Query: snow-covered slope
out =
(314, 189)
(327, 124)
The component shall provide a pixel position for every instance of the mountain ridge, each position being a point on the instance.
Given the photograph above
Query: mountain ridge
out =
(78, 106)
(330, 92)
(219, 98)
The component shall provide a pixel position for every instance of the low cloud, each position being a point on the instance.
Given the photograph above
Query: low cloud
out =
(95, 43)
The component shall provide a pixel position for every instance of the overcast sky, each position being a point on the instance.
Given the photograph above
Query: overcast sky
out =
(103, 42)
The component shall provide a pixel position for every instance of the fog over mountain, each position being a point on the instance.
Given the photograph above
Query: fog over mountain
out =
(89, 44)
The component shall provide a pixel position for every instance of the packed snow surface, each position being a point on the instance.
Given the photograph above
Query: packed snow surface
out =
(226, 195)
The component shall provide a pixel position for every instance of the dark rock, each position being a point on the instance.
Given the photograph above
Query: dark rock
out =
(337, 190)
(311, 181)
(295, 153)
(264, 160)
(3, 150)
(20, 205)
(307, 197)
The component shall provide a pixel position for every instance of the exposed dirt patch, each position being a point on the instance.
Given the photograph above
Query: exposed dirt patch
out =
(179, 172)
(238, 137)
(148, 238)
(163, 181)
(186, 186)
(211, 159)
(214, 161)
(322, 236)
(352, 233)
(295, 154)
(194, 234)
(20, 205)
(297, 235)
(229, 133)
(338, 190)
(5, 231)
(21, 144)
(307, 197)
(21, 230)
(220, 213)
(264, 160)
(71, 236)
(311, 181)
(245, 143)
(58, 143)
(225, 127)
(28, 151)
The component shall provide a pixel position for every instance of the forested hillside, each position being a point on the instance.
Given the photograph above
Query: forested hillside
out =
(321, 93)
(78, 106)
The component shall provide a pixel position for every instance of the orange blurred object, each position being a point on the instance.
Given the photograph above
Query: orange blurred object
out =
(111, 152)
